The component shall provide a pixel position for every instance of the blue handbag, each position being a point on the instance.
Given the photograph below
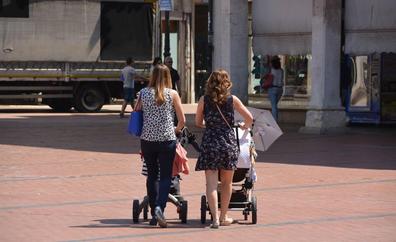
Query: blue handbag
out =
(135, 124)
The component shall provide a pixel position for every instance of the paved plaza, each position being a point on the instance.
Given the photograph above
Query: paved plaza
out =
(73, 176)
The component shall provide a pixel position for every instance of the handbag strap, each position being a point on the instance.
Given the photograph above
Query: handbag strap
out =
(138, 105)
(235, 132)
(225, 120)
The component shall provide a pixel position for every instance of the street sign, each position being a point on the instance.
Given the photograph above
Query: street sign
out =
(166, 5)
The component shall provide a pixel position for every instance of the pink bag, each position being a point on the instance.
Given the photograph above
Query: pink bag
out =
(180, 162)
(268, 79)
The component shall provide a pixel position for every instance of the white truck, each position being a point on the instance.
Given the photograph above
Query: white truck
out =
(69, 53)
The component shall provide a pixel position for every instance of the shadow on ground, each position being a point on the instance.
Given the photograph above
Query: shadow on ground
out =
(367, 148)
(127, 223)
(100, 133)
(104, 132)
(361, 147)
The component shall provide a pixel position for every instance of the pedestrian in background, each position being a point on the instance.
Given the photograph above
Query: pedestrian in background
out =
(142, 84)
(128, 76)
(276, 90)
(174, 74)
(219, 148)
(157, 60)
(175, 79)
(158, 138)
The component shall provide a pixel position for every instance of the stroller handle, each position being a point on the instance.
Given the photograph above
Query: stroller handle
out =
(238, 124)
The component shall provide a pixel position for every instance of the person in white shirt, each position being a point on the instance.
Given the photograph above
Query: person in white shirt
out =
(276, 90)
(128, 76)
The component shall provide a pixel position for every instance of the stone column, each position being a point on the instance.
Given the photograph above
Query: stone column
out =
(325, 113)
(230, 43)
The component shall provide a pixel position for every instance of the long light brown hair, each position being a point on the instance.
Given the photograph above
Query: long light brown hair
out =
(160, 80)
(218, 86)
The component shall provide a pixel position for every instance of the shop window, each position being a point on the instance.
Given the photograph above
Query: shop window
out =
(360, 82)
(296, 74)
(259, 67)
(14, 8)
(388, 87)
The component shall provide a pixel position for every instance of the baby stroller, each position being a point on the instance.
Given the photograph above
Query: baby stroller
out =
(186, 137)
(242, 197)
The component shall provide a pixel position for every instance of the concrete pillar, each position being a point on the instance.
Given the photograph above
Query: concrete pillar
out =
(230, 43)
(325, 113)
(186, 51)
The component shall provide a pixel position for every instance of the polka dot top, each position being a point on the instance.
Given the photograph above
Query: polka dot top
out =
(157, 120)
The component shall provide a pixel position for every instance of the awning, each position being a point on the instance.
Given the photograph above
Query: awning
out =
(370, 26)
(282, 27)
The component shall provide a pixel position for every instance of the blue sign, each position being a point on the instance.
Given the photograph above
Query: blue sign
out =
(166, 5)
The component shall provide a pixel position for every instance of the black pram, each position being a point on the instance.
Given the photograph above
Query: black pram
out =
(185, 137)
(242, 197)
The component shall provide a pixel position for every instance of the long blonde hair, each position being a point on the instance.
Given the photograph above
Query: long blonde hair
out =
(218, 86)
(160, 79)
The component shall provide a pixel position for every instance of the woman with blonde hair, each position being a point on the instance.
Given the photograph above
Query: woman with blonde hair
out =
(158, 138)
(219, 149)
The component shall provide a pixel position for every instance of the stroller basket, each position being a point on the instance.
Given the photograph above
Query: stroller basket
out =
(240, 174)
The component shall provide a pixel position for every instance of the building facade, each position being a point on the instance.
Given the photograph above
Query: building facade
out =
(338, 56)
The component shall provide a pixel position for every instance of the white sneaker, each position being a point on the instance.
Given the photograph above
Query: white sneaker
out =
(160, 217)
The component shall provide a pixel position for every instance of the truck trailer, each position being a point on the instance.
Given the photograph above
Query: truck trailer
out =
(68, 54)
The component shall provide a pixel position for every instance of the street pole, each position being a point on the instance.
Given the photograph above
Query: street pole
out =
(167, 44)
(210, 38)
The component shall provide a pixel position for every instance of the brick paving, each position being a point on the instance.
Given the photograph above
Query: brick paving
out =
(72, 177)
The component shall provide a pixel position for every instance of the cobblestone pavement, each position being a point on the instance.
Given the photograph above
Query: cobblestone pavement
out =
(72, 177)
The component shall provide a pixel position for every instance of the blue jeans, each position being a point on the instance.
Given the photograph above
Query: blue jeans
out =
(158, 156)
(275, 94)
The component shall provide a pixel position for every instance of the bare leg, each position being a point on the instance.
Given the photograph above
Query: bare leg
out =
(211, 193)
(124, 105)
(226, 191)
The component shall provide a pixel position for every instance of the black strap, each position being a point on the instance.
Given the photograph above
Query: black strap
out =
(235, 131)
(223, 116)
(138, 105)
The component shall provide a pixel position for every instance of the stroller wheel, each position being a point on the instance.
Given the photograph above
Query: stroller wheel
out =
(246, 213)
(145, 212)
(135, 211)
(183, 211)
(203, 209)
(254, 210)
